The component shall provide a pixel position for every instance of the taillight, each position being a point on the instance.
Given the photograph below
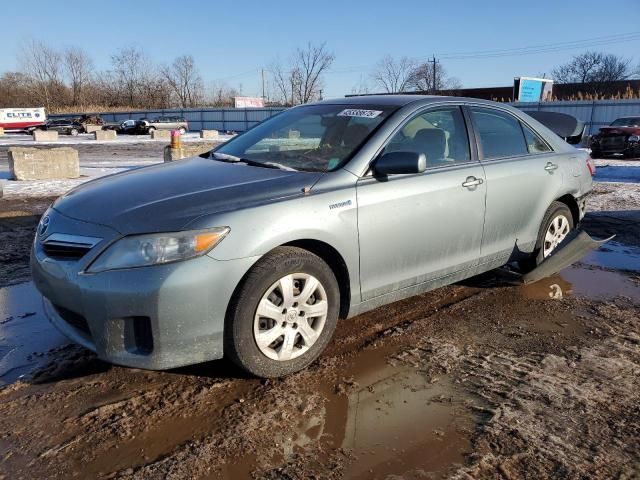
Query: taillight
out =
(591, 166)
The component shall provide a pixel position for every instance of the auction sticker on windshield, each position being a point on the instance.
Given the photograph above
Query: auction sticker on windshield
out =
(355, 112)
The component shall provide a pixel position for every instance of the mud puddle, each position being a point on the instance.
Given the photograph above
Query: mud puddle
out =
(615, 256)
(394, 421)
(26, 336)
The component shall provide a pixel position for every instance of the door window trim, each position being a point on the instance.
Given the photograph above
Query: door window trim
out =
(473, 152)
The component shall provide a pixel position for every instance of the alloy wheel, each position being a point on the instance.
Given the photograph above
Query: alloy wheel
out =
(290, 316)
(557, 230)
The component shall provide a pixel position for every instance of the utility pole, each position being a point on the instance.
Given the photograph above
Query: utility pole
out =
(262, 72)
(435, 83)
(320, 94)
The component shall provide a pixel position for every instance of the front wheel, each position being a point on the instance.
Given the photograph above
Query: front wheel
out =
(284, 313)
(556, 225)
(182, 130)
(74, 132)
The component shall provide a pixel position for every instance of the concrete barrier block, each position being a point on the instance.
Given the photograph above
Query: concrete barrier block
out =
(43, 163)
(92, 128)
(208, 133)
(1, 131)
(187, 150)
(105, 135)
(45, 135)
(160, 135)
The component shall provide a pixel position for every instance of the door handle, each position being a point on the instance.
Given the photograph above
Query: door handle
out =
(549, 167)
(472, 182)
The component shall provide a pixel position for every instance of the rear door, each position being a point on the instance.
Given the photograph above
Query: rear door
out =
(523, 177)
(418, 227)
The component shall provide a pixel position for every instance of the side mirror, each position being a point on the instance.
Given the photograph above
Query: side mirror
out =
(400, 162)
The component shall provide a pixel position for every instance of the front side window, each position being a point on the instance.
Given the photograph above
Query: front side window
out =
(315, 138)
(500, 133)
(534, 143)
(440, 134)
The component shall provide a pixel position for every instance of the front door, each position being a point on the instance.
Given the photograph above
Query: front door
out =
(419, 227)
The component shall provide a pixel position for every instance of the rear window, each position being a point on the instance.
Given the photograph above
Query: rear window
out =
(626, 122)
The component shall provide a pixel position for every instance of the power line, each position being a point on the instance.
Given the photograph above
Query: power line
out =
(482, 54)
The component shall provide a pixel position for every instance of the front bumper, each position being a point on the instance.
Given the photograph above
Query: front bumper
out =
(156, 317)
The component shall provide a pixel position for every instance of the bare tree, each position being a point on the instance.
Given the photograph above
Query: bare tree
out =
(14, 89)
(594, 68)
(300, 80)
(185, 80)
(78, 67)
(309, 64)
(131, 67)
(393, 75)
(42, 65)
(282, 80)
(422, 78)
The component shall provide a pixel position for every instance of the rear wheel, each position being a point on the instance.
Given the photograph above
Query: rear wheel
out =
(556, 225)
(284, 313)
(74, 132)
(182, 130)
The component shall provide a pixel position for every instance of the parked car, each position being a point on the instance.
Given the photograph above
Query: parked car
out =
(64, 126)
(622, 137)
(256, 249)
(169, 123)
(133, 127)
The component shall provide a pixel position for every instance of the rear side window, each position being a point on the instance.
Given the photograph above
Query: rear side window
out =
(500, 134)
(534, 143)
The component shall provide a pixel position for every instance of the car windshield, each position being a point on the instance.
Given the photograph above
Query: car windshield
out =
(314, 138)
(626, 122)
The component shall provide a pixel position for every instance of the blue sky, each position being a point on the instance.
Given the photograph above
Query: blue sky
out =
(231, 41)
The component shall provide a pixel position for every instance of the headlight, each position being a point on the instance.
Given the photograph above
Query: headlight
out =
(634, 138)
(157, 248)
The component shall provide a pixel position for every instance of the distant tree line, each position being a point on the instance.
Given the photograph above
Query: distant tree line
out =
(67, 81)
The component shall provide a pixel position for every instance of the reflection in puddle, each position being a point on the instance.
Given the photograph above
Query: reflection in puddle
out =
(615, 256)
(391, 419)
(25, 333)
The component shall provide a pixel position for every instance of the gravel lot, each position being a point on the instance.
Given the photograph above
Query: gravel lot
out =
(483, 379)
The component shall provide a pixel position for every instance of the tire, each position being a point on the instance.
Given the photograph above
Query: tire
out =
(557, 210)
(74, 132)
(595, 154)
(150, 129)
(289, 351)
(182, 130)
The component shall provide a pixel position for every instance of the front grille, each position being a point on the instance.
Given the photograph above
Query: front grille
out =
(613, 141)
(74, 319)
(67, 251)
(68, 247)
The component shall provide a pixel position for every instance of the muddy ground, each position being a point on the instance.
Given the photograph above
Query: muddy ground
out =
(483, 379)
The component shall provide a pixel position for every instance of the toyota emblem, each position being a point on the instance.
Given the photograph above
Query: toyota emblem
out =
(44, 224)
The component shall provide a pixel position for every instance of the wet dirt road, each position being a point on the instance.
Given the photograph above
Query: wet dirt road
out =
(482, 379)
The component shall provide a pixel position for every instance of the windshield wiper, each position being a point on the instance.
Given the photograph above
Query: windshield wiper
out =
(225, 157)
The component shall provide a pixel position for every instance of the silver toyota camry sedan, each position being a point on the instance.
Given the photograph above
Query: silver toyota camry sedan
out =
(255, 250)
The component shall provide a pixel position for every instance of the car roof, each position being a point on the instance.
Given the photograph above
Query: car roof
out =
(397, 100)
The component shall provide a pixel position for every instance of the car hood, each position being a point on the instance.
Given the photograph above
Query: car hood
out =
(168, 196)
(620, 130)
